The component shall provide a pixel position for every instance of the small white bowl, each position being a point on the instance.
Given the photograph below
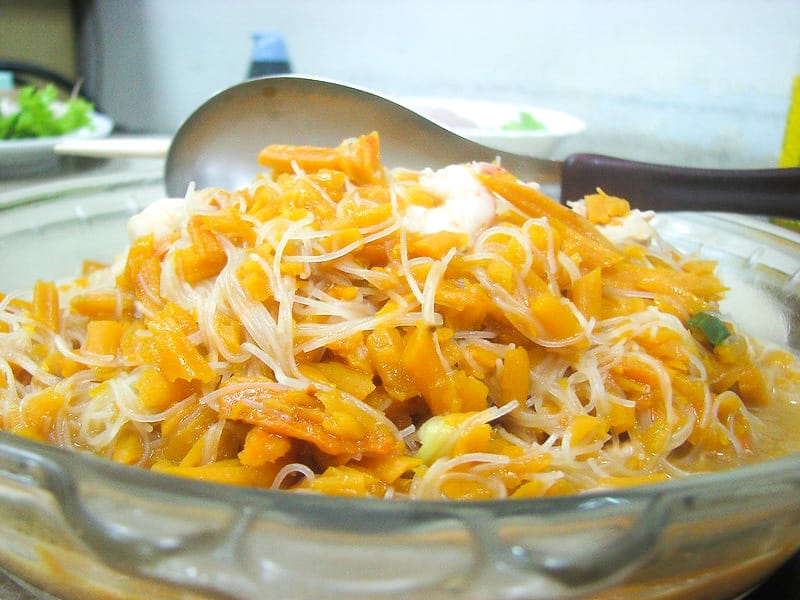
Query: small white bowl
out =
(483, 122)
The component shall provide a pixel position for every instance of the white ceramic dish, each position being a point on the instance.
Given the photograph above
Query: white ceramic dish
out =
(25, 157)
(483, 122)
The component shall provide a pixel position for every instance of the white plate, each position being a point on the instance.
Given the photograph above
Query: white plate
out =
(24, 157)
(483, 122)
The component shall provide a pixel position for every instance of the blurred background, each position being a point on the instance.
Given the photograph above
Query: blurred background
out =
(693, 82)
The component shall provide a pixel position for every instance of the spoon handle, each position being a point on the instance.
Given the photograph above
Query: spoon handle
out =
(774, 192)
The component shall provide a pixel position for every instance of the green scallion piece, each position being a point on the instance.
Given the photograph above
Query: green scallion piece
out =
(793, 224)
(711, 326)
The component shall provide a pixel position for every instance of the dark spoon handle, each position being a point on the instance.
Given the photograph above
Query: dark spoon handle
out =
(774, 192)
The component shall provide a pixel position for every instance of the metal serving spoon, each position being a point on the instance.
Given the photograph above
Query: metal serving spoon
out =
(218, 144)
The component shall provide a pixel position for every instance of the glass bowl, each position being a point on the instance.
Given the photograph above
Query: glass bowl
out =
(77, 526)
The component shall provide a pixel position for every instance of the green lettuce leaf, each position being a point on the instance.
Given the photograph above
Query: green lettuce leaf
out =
(36, 117)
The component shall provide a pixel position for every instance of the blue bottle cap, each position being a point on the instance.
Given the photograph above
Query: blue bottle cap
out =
(269, 46)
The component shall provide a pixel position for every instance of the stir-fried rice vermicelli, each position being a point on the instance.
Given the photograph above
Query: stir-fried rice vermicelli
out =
(344, 328)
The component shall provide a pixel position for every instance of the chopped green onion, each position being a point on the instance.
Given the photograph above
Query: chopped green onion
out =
(434, 435)
(793, 224)
(711, 326)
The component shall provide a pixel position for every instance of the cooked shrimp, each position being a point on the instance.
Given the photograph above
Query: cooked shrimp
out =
(468, 207)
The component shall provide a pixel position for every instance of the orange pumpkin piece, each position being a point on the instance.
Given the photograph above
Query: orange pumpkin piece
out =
(45, 304)
(358, 158)
(421, 361)
(346, 378)
(348, 481)
(587, 294)
(176, 356)
(515, 377)
(101, 305)
(262, 447)
(103, 337)
(601, 208)
(205, 257)
(555, 316)
(385, 346)
(39, 411)
(229, 471)
(128, 449)
(157, 393)
(142, 274)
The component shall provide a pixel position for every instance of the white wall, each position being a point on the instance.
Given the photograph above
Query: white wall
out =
(701, 82)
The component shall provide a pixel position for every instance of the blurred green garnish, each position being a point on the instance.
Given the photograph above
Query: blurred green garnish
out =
(711, 326)
(36, 116)
(525, 122)
(793, 224)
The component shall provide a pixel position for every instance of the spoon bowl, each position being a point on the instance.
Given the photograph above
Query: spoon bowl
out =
(218, 144)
